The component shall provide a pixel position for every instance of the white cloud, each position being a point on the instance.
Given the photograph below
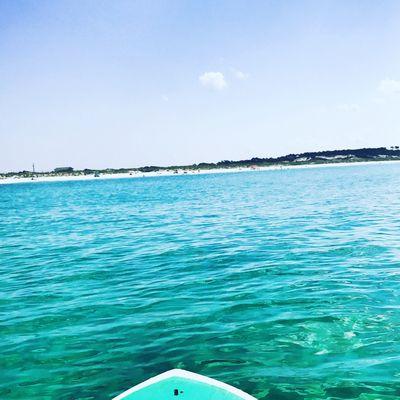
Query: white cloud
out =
(239, 74)
(389, 86)
(213, 80)
(348, 107)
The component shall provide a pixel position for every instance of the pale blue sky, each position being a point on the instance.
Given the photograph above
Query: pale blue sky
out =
(131, 83)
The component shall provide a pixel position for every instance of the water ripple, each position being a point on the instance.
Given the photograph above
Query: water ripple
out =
(284, 283)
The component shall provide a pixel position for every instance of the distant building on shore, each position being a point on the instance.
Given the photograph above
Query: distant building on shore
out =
(63, 170)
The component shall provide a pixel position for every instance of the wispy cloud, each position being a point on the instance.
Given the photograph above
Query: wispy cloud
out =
(213, 80)
(239, 74)
(165, 97)
(389, 86)
(348, 107)
(378, 100)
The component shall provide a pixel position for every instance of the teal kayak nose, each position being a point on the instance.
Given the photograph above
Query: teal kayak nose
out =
(178, 384)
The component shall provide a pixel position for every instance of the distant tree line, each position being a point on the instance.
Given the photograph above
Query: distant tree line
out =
(315, 156)
(375, 153)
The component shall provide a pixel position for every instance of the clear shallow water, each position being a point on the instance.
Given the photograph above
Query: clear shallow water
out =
(283, 283)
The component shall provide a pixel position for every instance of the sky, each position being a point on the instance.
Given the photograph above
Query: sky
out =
(115, 83)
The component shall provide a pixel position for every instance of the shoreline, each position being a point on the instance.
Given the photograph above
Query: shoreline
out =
(135, 175)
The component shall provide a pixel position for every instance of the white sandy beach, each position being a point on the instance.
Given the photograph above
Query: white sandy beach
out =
(135, 174)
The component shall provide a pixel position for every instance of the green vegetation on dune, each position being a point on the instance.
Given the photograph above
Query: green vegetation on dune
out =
(317, 157)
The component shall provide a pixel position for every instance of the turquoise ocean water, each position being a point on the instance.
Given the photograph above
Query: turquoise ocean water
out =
(283, 283)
